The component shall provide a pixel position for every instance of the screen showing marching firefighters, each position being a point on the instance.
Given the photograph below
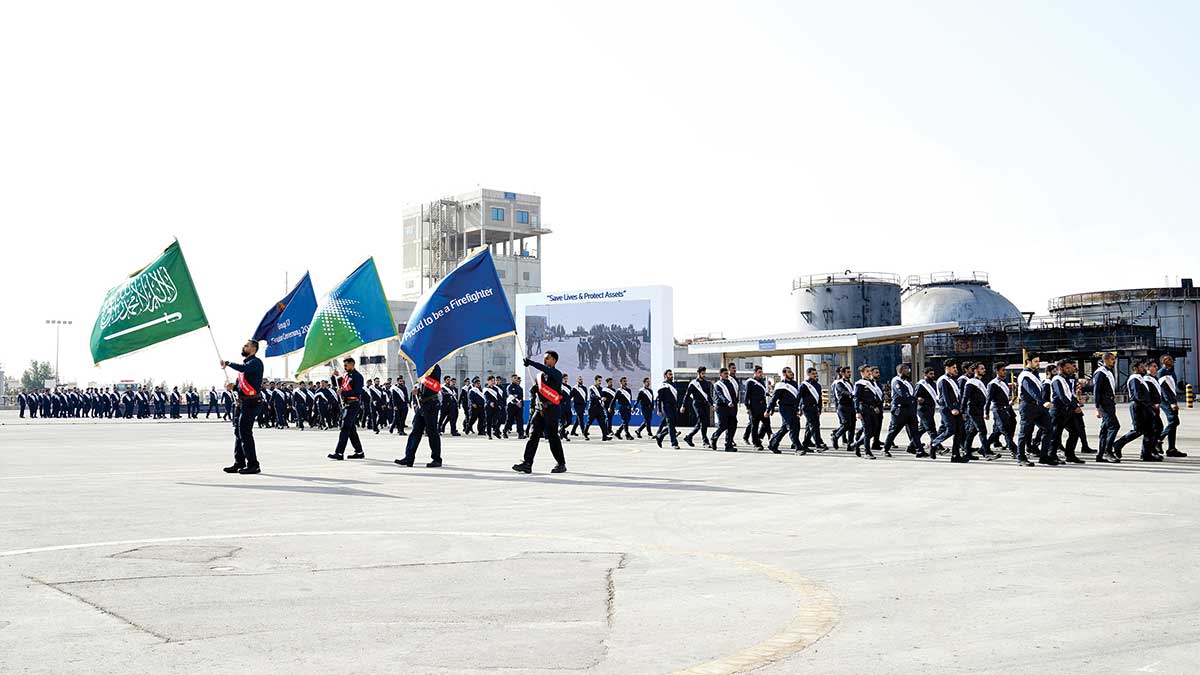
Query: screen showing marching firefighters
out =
(609, 339)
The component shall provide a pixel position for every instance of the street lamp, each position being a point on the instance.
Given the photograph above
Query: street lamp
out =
(58, 324)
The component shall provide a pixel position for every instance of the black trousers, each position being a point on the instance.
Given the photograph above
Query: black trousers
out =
(425, 423)
(580, 408)
(596, 413)
(1109, 427)
(449, 419)
(624, 413)
(872, 426)
(1033, 418)
(903, 417)
(846, 420)
(349, 431)
(1168, 433)
(812, 427)
(647, 415)
(400, 418)
(514, 417)
(757, 425)
(1066, 422)
(926, 424)
(726, 424)
(669, 419)
(975, 426)
(791, 426)
(952, 428)
(700, 410)
(243, 435)
(544, 423)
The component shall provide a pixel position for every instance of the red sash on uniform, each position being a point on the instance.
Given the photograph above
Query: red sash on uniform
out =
(432, 384)
(346, 387)
(245, 387)
(551, 395)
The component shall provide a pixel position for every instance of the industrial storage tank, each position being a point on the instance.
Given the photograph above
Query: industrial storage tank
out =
(1173, 310)
(839, 300)
(965, 298)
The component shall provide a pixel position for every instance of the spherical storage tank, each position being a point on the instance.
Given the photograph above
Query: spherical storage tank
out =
(848, 299)
(945, 296)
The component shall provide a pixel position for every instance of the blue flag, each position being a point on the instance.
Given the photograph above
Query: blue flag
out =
(467, 307)
(352, 315)
(285, 325)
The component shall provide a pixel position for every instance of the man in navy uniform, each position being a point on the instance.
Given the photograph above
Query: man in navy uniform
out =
(350, 388)
(669, 407)
(1170, 404)
(699, 396)
(725, 401)
(477, 413)
(904, 410)
(399, 399)
(1104, 394)
(596, 411)
(926, 394)
(427, 397)
(21, 400)
(785, 397)
(645, 404)
(842, 392)
(999, 408)
(623, 402)
(449, 416)
(544, 418)
(974, 406)
(1138, 401)
(300, 402)
(810, 406)
(579, 403)
(1034, 414)
(1065, 408)
(514, 407)
(756, 404)
(1154, 390)
(868, 407)
(249, 390)
(949, 397)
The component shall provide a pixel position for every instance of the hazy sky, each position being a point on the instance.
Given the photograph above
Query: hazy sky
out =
(720, 148)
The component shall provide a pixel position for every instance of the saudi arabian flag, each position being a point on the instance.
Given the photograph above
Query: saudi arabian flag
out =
(156, 303)
(352, 315)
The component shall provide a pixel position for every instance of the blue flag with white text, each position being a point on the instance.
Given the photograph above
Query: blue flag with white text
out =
(467, 307)
(285, 325)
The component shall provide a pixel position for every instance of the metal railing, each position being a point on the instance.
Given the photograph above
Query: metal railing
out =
(846, 277)
(974, 277)
(1127, 295)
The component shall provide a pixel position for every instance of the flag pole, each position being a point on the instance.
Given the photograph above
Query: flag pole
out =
(218, 351)
(287, 372)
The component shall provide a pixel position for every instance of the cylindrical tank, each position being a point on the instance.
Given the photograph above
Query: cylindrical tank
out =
(848, 299)
(1175, 311)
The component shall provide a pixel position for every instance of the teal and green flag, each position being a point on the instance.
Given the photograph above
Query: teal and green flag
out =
(156, 303)
(352, 315)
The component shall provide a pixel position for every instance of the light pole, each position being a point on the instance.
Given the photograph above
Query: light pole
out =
(58, 324)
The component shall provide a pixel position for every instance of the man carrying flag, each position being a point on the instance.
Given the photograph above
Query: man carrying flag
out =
(467, 307)
(353, 314)
(428, 397)
(545, 417)
(350, 388)
(249, 384)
